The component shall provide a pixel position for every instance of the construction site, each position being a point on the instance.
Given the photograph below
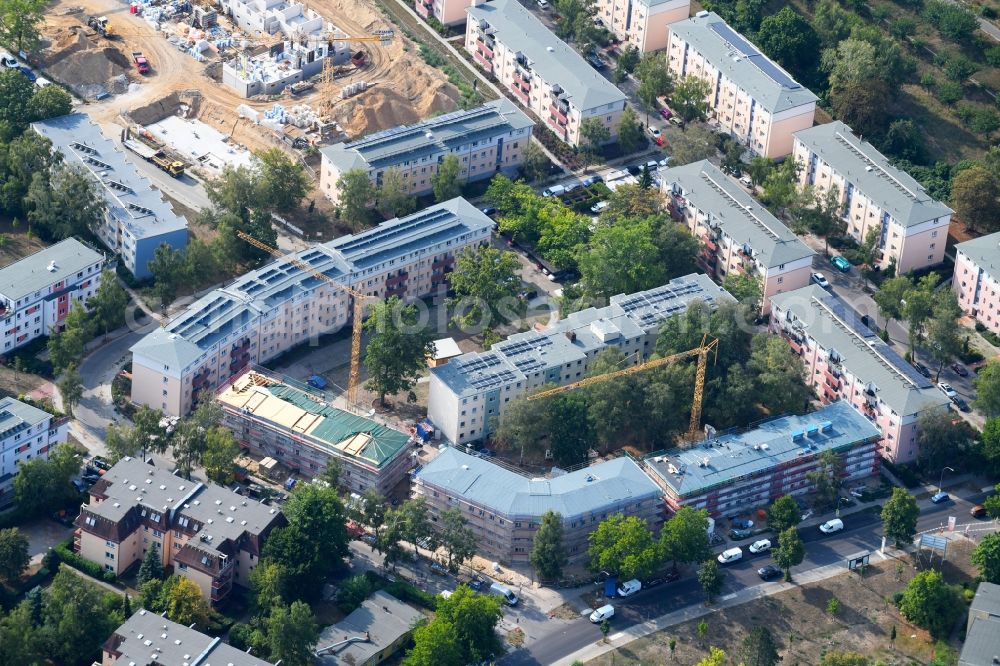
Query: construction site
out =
(208, 84)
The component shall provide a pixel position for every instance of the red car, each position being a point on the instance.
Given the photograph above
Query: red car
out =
(140, 61)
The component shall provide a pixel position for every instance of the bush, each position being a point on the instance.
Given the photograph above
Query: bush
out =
(63, 552)
(406, 592)
(904, 473)
(353, 592)
(949, 92)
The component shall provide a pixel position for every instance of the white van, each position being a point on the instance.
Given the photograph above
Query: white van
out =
(629, 588)
(554, 191)
(731, 555)
(831, 526)
(543, 5)
(603, 613)
(503, 591)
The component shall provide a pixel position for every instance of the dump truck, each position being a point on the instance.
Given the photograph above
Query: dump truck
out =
(101, 25)
(155, 155)
(301, 87)
(140, 61)
(359, 59)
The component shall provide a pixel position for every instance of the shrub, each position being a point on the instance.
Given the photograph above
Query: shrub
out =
(63, 552)
(406, 592)
(949, 92)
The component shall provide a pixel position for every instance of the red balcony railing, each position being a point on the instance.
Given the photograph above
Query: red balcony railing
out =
(482, 61)
(558, 112)
(521, 94)
(422, 9)
(486, 49)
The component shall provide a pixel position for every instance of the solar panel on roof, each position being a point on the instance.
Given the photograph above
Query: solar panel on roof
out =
(738, 42)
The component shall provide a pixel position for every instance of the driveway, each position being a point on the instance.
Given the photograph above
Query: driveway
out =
(43, 533)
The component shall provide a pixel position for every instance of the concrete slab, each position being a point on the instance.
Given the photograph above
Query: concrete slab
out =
(199, 143)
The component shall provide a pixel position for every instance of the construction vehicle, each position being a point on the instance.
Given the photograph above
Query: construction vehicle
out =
(701, 351)
(140, 61)
(153, 154)
(101, 25)
(301, 87)
(358, 307)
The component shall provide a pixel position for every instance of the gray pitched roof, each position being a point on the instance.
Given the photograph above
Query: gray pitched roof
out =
(982, 643)
(742, 62)
(893, 190)
(742, 217)
(548, 55)
(381, 618)
(987, 599)
(826, 319)
(30, 274)
(985, 251)
(16, 415)
(586, 491)
(431, 137)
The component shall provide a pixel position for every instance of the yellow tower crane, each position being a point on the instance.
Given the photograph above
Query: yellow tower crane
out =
(359, 308)
(701, 351)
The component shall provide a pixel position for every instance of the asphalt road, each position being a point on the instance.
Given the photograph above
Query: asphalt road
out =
(863, 531)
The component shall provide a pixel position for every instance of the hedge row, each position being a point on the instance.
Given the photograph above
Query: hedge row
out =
(63, 552)
(406, 592)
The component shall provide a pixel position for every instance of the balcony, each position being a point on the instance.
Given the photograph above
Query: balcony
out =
(710, 243)
(482, 61)
(559, 112)
(422, 8)
(485, 48)
(796, 346)
(520, 94)
(832, 380)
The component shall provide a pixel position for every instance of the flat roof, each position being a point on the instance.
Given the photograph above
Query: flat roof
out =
(129, 196)
(892, 189)
(985, 251)
(743, 218)
(30, 274)
(834, 325)
(730, 457)
(305, 414)
(382, 619)
(579, 334)
(550, 57)
(16, 416)
(742, 62)
(587, 491)
(441, 134)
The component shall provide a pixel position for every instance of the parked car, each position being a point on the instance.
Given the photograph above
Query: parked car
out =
(543, 5)
(656, 134)
(769, 572)
(477, 583)
(747, 181)
(599, 206)
(489, 211)
(100, 462)
(858, 492)
(978, 511)
(739, 535)
(668, 577)
(831, 526)
(592, 180)
(947, 389)
(439, 569)
(821, 280)
(842, 265)
(961, 404)
(959, 369)
(761, 546)
(603, 613)
(596, 62)
(940, 497)
(505, 592)
(922, 369)
(741, 523)
(629, 587)
(674, 120)
(730, 555)
(666, 113)
(554, 191)
(869, 323)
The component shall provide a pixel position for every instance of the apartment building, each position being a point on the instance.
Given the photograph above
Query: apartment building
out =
(845, 360)
(207, 533)
(752, 99)
(446, 12)
(487, 140)
(294, 424)
(469, 392)
(976, 279)
(385, 622)
(136, 218)
(912, 226)
(736, 472)
(148, 638)
(982, 628)
(504, 508)
(644, 23)
(37, 292)
(26, 433)
(277, 307)
(545, 75)
(738, 233)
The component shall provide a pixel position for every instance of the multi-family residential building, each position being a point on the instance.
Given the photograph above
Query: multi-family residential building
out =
(147, 638)
(37, 292)
(976, 279)
(735, 472)
(294, 424)
(845, 360)
(208, 533)
(643, 24)
(487, 140)
(280, 306)
(136, 218)
(546, 76)
(981, 646)
(738, 233)
(26, 433)
(912, 226)
(447, 12)
(504, 508)
(751, 98)
(469, 394)
(380, 627)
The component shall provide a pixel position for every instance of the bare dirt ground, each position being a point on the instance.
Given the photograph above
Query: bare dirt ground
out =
(16, 243)
(802, 626)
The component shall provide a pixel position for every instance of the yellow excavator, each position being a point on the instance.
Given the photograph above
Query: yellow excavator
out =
(101, 25)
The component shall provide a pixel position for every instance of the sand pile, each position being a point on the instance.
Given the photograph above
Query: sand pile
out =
(85, 67)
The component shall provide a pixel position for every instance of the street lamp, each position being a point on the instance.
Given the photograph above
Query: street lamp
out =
(941, 480)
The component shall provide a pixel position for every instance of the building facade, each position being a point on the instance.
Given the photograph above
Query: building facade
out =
(912, 227)
(752, 99)
(504, 508)
(148, 638)
(279, 306)
(447, 12)
(844, 360)
(976, 279)
(469, 393)
(208, 533)
(136, 218)
(37, 292)
(487, 140)
(739, 235)
(735, 473)
(642, 24)
(296, 426)
(26, 433)
(545, 75)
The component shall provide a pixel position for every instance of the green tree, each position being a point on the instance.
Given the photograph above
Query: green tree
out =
(623, 546)
(820, 213)
(486, 283)
(939, 440)
(393, 195)
(677, 247)
(434, 644)
(974, 193)
(986, 557)
(784, 513)
(711, 578)
(987, 384)
(954, 21)
(283, 181)
(41, 484)
(183, 603)
(777, 375)
(266, 586)
(595, 134)
(14, 555)
(147, 429)
(744, 287)
(120, 442)
(454, 535)
(890, 297)
(16, 92)
(758, 648)
(629, 131)
(21, 24)
(716, 657)
(943, 331)
(689, 99)
(236, 191)
(919, 307)
(199, 263)
(826, 479)
(899, 517)
(548, 556)
(67, 347)
(633, 202)
(167, 267)
(65, 202)
(684, 538)
(621, 259)
(534, 162)
(77, 617)
(108, 302)
(446, 182)
(397, 348)
(353, 592)
(654, 80)
(356, 194)
(474, 618)
(838, 658)
(929, 602)
(220, 455)
(790, 551)
(49, 102)
(151, 567)
(70, 387)
(292, 633)
(759, 169)
(788, 38)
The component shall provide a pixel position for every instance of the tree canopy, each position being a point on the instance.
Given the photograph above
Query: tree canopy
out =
(548, 556)
(623, 546)
(899, 517)
(397, 348)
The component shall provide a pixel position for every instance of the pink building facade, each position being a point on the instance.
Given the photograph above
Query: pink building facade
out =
(643, 24)
(977, 279)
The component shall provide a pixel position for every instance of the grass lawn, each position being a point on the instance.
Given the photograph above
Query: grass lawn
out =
(17, 244)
